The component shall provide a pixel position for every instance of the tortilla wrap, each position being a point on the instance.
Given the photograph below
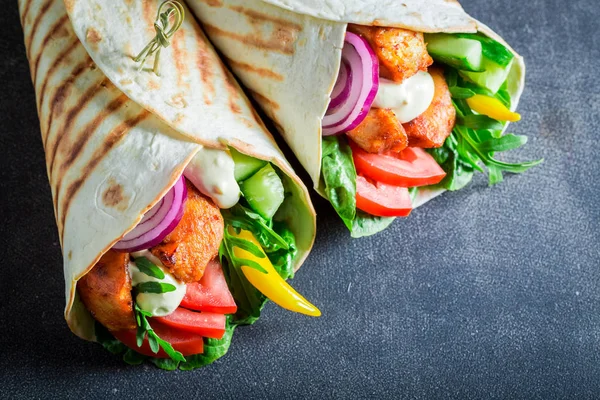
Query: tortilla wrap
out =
(116, 139)
(288, 54)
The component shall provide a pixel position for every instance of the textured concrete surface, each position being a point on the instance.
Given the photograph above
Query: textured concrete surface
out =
(485, 293)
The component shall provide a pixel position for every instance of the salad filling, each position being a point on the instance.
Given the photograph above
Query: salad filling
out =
(202, 261)
(412, 112)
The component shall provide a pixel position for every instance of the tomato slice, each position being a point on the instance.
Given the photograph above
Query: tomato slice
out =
(207, 324)
(186, 343)
(409, 168)
(381, 199)
(211, 294)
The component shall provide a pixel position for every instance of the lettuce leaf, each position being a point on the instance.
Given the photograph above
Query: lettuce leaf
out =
(339, 178)
(213, 350)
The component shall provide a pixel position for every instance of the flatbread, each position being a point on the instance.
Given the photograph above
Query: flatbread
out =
(117, 139)
(288, 52)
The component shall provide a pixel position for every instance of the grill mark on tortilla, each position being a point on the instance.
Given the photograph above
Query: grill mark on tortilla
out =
(204, 66)
(277, 42)
(25, 12)
(263, 72)
(86, 133)
(55, 28)
(53, 68)
(232, 88)
(180, 55)
(263, 100)
(85, 98)
(258, 17)
(111, 140)
(213, 3)
(148, 15)
(61, 93)
(35, 26)
(79, 144)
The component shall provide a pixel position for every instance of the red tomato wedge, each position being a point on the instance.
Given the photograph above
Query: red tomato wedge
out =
(211, 294)
(409, 168)
(186, 343)
(381, 199)
(207, 324)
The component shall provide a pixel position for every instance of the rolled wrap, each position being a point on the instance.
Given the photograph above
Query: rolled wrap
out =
(116, 139)
(288, 54)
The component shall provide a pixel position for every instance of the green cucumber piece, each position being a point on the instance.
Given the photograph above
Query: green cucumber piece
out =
(264, 191)
(245, 166)
(492, 79)
(460, 53)
(493, 50)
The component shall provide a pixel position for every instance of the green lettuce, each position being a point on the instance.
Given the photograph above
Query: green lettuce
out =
(278, 243)
(339, 181)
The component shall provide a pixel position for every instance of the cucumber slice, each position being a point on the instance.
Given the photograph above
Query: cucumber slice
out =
(493, 77)
(460, 53)
(245, 165)
(493, 50)
(264, 191)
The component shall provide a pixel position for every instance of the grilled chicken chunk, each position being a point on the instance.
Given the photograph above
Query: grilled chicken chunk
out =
(379, 132)
(195, 241)
(401, 53)
(106, 292)
(431, 128)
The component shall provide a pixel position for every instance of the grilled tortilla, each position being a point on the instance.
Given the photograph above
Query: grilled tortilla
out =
(116, 139)
(288, 53)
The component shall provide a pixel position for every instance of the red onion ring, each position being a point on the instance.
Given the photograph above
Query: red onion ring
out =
(364, 67)
(158, 222)
(342, 86)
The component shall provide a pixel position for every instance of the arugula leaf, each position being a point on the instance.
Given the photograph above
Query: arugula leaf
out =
(213, 349)
(240, 217)
(461, 93)
(283, 258)
(155, 287)
(149, 268)
(478, 122)
(155, 342)
(339, 176)
(503, 143)
(458, 173)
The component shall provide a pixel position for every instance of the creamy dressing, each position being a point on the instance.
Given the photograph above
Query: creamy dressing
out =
(408, 99)
(211, 171)
(158, 304)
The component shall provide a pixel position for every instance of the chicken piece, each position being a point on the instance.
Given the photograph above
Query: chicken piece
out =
(401, 53)
(195, 241)
(379, 132)
(431, 128)
(106, 292)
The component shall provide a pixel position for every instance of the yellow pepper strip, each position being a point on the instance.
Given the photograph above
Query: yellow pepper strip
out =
(271, 284)
(492, 107)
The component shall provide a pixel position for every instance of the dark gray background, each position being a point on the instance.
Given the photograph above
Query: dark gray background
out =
(485, 293)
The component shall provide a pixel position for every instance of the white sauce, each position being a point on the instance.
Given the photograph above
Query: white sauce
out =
(158, 304)
(212, 172)
(407, 99)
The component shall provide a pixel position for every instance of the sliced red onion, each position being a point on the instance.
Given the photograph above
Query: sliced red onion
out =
(158, 222)
(364, 67)
(342, 86)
